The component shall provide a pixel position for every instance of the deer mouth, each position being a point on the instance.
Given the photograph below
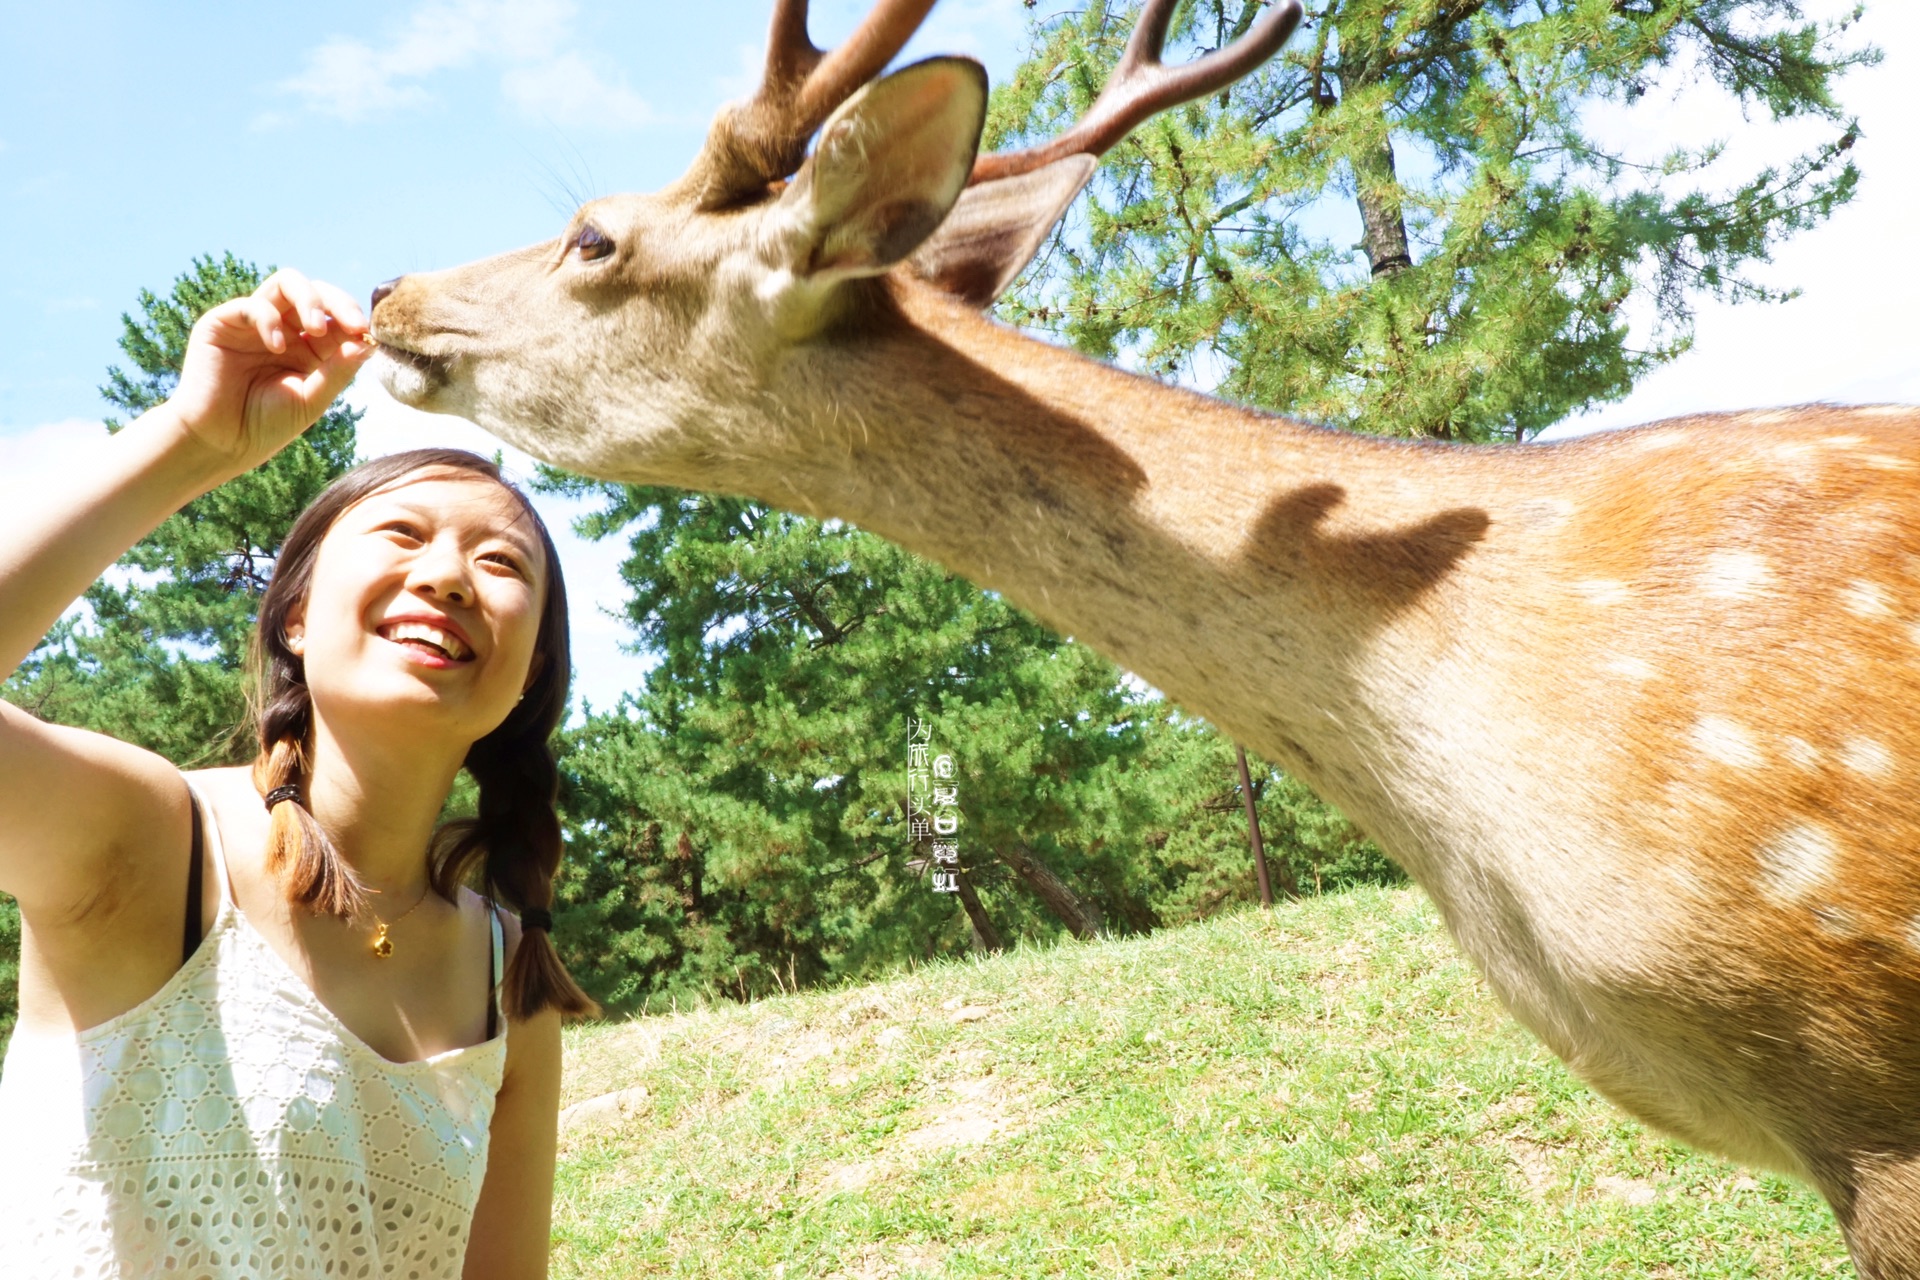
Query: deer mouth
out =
(410, 376)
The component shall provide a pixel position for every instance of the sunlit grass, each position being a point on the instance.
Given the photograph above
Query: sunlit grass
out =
(1324, 1091)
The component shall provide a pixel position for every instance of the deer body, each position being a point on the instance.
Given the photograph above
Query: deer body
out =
(1641, 712)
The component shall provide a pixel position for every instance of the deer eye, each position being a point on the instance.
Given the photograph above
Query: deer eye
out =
(592, 243)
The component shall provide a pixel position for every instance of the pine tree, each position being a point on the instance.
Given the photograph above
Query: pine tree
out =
(748, 809)
(1403, 225)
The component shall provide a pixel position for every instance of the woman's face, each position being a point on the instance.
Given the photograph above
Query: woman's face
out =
(426, 597)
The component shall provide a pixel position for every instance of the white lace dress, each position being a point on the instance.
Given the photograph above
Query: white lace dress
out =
(231, 1126)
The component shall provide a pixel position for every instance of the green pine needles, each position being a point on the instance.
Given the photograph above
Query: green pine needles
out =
(1405, 225)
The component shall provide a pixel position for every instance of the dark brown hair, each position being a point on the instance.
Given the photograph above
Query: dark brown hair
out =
(513, 842)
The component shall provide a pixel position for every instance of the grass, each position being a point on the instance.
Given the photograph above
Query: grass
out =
(1323, 1091)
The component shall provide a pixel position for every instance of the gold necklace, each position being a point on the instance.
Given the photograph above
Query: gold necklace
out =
(382, 945)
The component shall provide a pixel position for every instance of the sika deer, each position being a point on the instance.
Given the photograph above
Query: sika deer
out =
(1641, 712)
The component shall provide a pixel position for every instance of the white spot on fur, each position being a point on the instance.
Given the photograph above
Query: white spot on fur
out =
(1631, 668)
(1867, 600)
(1887, 462)
(1734, 575)
(1868, 758)
(1603, 591)
(1802, 753)
(1796, 863)
(1844, 442)
(1721, 739)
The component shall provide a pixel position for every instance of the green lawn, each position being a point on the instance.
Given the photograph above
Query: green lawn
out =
(1326, 1090)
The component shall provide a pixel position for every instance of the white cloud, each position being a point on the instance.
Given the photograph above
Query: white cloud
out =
(527, 40)
(350, 81)
(991, 30)
(1848, 338)
(568, 91)
(38, 460)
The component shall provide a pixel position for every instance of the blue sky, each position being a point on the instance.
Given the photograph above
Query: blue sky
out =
(363, 140)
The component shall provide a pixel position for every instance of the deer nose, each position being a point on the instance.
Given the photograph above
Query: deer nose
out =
(384, 288)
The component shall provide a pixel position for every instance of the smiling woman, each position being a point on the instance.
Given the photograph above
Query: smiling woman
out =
(234, 1057)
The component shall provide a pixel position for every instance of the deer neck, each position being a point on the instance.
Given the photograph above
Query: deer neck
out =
(1296, 586)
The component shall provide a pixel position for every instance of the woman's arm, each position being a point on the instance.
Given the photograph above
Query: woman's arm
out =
(513, 1224)
(259, 371)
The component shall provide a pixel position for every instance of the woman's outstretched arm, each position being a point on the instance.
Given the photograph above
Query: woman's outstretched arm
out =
(259, 371)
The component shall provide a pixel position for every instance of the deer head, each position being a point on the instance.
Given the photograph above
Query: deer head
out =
(641, 343)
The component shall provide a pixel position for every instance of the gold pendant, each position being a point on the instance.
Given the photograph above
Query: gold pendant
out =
(381, 946)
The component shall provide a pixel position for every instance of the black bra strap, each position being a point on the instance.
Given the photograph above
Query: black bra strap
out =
(493, 974)
(191, 940)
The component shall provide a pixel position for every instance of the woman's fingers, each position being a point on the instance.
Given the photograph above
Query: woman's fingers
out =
(288, 305)
(239, 318)
(318, 389)
(296, 297)
(341, 305)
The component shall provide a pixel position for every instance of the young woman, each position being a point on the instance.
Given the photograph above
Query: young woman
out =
(264, 1028)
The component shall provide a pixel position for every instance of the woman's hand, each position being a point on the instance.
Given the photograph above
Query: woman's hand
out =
(260, 370)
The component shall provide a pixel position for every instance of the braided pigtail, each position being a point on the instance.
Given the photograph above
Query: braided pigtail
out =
(310, 870)
(515, 838)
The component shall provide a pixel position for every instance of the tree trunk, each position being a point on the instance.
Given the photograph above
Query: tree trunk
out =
(985, 936)
(1253, 829)
(1379, 196)
(1079, 915)
(1289, 887)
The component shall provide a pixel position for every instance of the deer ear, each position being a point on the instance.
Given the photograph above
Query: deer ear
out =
(997, 227)
(888, 167)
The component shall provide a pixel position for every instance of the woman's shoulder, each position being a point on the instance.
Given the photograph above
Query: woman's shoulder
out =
(473, 903)
(226, 783)
(240, 820)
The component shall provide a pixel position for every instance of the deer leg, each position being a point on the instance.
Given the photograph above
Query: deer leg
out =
(1879, 1214)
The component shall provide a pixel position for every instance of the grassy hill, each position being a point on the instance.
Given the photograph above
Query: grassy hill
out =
(1323, 1091)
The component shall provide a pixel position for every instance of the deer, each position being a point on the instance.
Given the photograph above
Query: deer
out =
(1707, 904)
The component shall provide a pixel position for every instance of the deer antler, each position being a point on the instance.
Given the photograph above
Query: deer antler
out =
(765, 138)
(1142, 86)
(1014, 198)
